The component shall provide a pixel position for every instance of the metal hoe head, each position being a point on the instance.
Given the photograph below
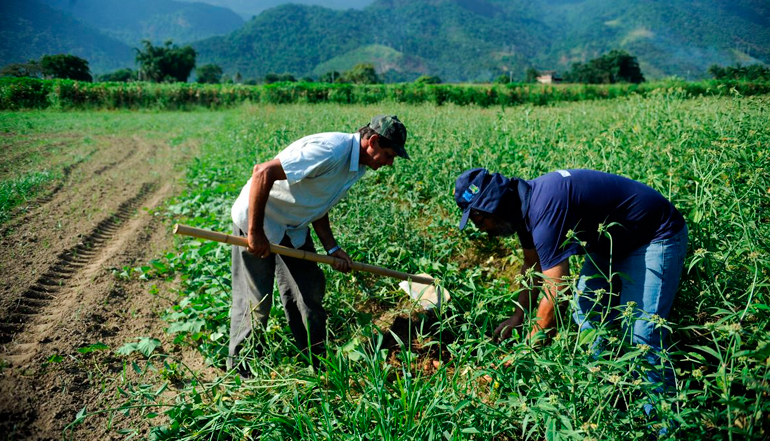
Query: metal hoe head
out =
(428, 296)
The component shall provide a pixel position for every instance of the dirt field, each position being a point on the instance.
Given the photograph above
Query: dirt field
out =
(58, 290)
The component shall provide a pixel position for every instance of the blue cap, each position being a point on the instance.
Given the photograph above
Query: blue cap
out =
(477, 189)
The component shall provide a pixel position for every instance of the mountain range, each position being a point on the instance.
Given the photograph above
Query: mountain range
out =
(250, 8)
(457, 40)
(131, 21)
(29, 29)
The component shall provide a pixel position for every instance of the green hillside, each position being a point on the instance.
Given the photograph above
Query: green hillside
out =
(681, 37)
(29, 29)
(457, 40)
(130, 21)
(462, 40)
(384, 59)
(250, 8)
(288, 38)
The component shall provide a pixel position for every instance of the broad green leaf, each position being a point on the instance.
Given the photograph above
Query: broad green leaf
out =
(93, 348)
(147, 345)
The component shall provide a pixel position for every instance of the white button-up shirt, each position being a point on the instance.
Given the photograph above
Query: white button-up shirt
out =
(319, 169)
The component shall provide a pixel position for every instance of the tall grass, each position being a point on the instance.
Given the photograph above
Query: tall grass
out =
(441, 376)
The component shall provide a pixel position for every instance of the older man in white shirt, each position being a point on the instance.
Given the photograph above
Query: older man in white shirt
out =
(283, 197)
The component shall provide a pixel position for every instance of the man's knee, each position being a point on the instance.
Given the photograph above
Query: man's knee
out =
(647, 332)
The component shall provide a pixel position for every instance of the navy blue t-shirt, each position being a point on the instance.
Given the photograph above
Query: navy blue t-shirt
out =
(580, 200)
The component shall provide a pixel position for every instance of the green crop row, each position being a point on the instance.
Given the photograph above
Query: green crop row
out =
(28, 93)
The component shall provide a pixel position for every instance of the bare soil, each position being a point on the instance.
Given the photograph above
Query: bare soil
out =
(59, 256)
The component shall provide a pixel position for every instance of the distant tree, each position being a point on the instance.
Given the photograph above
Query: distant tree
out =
(428, 79)
(330, 77)
(251, 82)
(306, 80)
(362, 73)
(754, 72)
(68, 67)
(625, 67)
(165, 63)
(581, 73)
(717, 72)
(531, 75)
(503, 79)
(208, 73)
(276, 78)
(238, 78)
(30, 69)
(120, 75)
(614, 67)
(271, 78)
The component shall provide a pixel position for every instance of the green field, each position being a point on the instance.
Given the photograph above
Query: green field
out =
(444, 378)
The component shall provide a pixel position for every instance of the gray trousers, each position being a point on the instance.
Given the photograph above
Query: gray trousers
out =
(301, 284)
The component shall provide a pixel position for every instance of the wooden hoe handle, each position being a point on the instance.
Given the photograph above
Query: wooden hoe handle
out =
(298, 254)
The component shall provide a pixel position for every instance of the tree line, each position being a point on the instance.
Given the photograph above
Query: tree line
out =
(754, 72)
(50, 66)
(169, 63)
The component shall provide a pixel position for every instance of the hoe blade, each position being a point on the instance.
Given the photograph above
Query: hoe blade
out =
(428, 296)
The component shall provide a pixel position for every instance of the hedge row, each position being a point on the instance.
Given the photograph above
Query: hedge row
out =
(30, 93)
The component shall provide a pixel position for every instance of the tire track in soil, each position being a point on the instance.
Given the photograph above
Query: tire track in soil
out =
(63, 297)
(57, 279)
(77, 283)
(83, 176)
(112, 165)
(67, 170)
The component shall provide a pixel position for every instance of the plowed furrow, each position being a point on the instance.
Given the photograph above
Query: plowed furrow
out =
(111, 165)
(9, 328)
(27, 302)
(34, 301)
(39, 293)
(64, 269)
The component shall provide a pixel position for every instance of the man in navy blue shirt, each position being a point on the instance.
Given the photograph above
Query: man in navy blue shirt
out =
(634, 240)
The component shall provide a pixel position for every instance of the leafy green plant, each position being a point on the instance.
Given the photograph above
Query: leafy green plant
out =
(93, 348)
(144, 345)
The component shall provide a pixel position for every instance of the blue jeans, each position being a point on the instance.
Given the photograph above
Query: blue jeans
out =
(649, 276)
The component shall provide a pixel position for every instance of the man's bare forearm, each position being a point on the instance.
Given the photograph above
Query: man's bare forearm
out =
(550, 307)
(323, 229)
(262, 179)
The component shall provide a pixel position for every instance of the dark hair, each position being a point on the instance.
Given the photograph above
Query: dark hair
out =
(366, 132)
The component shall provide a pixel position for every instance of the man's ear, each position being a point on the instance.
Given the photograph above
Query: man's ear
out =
(374, 137)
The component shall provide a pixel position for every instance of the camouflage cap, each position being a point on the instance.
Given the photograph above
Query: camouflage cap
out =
(391, 128)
